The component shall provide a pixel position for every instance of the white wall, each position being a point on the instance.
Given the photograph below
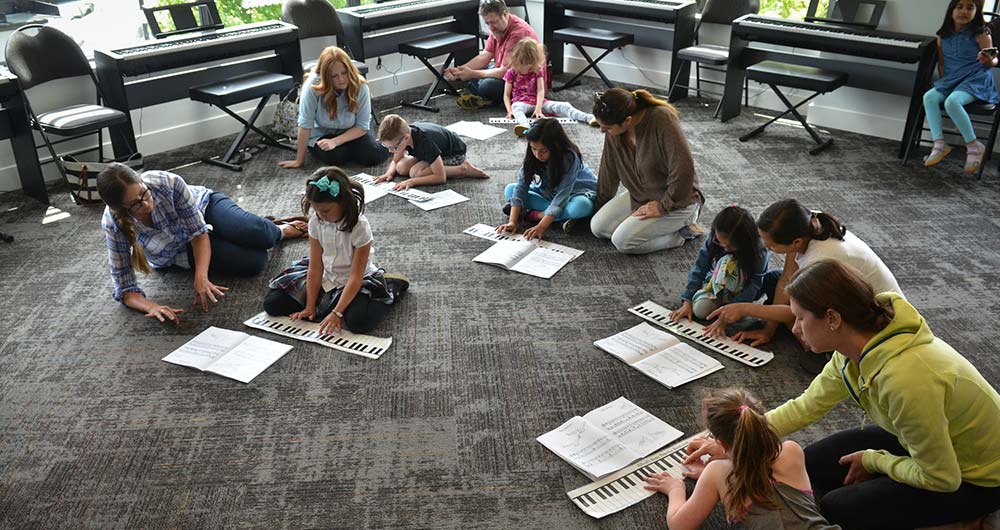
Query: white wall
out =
(180, 123)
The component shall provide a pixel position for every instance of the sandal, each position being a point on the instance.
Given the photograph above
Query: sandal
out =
(301, 229)
(938, 153)
(975, 158)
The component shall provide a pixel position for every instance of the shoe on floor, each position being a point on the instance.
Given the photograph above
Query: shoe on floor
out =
(938, 153)
(812, 363)
(568, 225)
(398, 284)
(593, 123)
(520, 130)
(506, 209)
(691, 231)
(974, 158)
(472, 102)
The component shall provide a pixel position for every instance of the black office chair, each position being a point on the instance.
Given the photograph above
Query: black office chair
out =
(317, 18)
(710, 56)
(39, 54)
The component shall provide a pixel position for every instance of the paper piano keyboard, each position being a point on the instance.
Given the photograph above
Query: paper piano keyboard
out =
(363, 345)
(411, 194)
(488, 232)
(510, 121)
(625, 488)
(694, 331)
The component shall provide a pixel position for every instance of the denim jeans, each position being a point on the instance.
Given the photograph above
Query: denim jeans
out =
(239, 238)
(365, 151)
(488, 88)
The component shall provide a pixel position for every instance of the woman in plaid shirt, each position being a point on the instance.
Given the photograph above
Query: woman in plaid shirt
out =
(156, 220)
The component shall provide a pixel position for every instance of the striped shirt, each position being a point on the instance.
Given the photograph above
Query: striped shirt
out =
(178, 217)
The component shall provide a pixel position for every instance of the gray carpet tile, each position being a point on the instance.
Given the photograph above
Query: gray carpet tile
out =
(97, 432)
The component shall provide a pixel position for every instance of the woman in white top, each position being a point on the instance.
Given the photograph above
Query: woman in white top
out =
(804, 237)
(335, 115)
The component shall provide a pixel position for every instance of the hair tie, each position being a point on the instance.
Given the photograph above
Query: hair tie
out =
(325, 184)
(814, 213)
(635, 94)
(743, 408)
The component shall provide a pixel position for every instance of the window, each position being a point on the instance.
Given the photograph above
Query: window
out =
(791, 9)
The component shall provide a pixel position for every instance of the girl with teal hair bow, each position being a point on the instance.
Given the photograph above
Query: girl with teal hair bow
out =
(337, 284)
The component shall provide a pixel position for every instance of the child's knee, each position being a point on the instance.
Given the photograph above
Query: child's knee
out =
(933, 97)
(276, 303)
(954, 104)
(703, 307)
(508, 190)
(579, 208)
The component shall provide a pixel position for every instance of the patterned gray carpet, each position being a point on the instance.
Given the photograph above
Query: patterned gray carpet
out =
(97, 432)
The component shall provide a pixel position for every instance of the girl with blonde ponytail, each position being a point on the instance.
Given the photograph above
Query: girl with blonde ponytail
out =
(156, 221)
(760, 480)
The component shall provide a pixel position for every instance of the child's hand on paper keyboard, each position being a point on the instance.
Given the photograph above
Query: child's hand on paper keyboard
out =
(663, 483)
(384, 178)
(403, 186)
(694, 469)
(508, 227)
(535, 232)
(332, 324)
(683, 312)
(755, 337)
(305, 314)
(701, 446)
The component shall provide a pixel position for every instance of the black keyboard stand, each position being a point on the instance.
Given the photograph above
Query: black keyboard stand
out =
(7, 238)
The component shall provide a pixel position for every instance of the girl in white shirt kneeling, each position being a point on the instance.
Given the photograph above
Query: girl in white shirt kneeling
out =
(337, 283)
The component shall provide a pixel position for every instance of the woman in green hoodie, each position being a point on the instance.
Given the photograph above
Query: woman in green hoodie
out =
(932, 456)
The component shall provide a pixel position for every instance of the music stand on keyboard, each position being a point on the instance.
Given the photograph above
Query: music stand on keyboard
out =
(183, 18)
(846, 13)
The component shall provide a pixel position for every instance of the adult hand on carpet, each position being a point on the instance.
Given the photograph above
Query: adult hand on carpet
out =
(290, 164)
(204, 290)
(164, 313)
(723, 316)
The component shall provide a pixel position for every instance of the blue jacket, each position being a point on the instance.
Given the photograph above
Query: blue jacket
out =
(702, 269)
(578, 180)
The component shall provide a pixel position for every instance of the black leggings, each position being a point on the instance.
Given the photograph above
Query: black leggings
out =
(882, 503)
(362, 315)
(365, 151)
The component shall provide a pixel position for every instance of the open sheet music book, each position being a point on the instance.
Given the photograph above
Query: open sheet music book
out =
(228, 353)
(488, 232)
(659, 355)
(375, 190)
(609, 438)
(526, 257)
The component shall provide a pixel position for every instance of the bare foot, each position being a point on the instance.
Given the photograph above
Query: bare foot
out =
(294, 229)
(472, 171)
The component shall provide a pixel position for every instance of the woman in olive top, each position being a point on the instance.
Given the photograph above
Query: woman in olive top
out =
(930, 452)
(645, 150)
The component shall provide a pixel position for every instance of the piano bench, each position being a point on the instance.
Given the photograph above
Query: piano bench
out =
(434, 45)
(608, 41)
(817, 80)
(308, 67)
(238, 89)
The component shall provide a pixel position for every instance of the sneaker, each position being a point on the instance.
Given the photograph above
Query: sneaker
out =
(472, 102)
(520, 130)
(398, 284)
(568, 225)
(813, 363)
(506, 209)
(593, 122)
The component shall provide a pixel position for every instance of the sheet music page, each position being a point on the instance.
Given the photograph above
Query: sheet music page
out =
(206, 347)
(587, 448)
(637, 343)
(677, 365)
(542, 262)
(440, 200)
(505, 253)
(632, 426)
(249, 359)
(372, 191)
(476, 130)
